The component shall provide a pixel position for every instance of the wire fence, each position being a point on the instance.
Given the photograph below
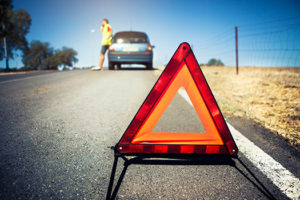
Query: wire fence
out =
(273, 43)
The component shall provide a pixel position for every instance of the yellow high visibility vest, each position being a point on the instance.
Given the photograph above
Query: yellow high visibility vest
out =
(105, 32)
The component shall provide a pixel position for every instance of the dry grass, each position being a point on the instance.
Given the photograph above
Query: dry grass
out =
(269, 96)
(22, 72)
(11, 73)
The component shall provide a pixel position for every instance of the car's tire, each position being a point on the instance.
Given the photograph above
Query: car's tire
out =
(149, 66)
(111, 66)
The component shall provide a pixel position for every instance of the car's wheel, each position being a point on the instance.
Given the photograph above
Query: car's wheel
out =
(149, 66)
(111, 66)
(118, 66)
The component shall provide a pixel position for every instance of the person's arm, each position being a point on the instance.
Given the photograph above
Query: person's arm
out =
(109, 35)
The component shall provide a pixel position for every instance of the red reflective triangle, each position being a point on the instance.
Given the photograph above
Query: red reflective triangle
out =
(182, 71)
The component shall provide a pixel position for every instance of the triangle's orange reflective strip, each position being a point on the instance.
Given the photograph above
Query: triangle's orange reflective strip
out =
(184, 79)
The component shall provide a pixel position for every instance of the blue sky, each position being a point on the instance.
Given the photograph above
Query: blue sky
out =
(208, 25)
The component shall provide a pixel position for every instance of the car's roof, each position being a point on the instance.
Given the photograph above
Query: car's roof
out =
(130, 32)
(131, 37)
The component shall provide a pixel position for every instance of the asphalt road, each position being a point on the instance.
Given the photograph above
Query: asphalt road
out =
(56, 129)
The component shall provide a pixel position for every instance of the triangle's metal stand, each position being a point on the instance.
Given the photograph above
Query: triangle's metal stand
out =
(111, 194)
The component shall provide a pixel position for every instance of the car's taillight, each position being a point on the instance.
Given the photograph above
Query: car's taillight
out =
(149, 48)
(111, 48)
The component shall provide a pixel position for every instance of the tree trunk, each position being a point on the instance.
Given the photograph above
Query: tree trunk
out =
(6, 64)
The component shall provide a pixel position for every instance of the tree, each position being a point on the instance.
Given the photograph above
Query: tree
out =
(68, 56)
(14, 27)
(51, 62)
(39, 55)
(215, 62)
(35, 55)
(65, 57)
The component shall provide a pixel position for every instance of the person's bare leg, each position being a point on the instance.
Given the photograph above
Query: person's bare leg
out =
(101, 60)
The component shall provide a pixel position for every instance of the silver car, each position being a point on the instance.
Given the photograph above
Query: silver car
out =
(130, 47)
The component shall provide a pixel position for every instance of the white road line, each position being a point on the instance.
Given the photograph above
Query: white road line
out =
(281, 177)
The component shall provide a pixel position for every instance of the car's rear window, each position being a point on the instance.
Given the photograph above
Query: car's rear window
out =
(130, 37)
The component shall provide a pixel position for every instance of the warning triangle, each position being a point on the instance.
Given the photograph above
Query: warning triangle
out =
(182, 71)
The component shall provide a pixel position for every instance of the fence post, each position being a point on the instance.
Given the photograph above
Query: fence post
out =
(236, 51)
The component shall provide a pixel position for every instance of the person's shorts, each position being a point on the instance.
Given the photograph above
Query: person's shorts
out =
(104, 48)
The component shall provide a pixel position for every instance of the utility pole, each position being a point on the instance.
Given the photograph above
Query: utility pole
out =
(236, 51)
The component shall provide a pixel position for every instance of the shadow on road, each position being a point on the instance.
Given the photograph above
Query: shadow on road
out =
(135, 69)
(213, 160)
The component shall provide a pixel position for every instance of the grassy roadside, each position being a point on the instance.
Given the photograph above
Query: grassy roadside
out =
(269, 96)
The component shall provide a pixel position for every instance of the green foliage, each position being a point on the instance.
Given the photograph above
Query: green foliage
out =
(215, 62)
(41, 56)
(67, 56)
(5, 23)
(50, 62)
(15, 26)
(21, 24)
(36, 54)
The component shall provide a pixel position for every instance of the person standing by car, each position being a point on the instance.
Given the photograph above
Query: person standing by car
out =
(106, 31)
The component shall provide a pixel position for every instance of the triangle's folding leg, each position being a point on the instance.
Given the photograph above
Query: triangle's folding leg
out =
(112, 177)
(112, 193)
